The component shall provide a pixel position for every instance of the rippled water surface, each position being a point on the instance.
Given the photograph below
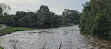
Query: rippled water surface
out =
(63, 38)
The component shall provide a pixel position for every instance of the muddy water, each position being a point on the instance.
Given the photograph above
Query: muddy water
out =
(57, 38)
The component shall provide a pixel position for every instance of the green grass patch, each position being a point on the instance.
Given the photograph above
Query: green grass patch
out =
(14, 29)
(1, 47)
(0, 26)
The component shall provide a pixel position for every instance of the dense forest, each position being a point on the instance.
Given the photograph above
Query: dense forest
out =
(42, 18)
(96, 19)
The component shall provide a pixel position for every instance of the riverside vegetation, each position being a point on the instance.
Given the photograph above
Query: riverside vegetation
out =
(96, 19)
(1, 47)
(42, 18)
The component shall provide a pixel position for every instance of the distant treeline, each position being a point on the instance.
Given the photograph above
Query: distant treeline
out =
(42, 18)
(96, 19)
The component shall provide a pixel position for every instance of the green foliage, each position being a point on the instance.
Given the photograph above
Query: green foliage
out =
(95, 19)
(29, 20)
(71, 16)
(3, 9)
(8, 20)
(43, 18)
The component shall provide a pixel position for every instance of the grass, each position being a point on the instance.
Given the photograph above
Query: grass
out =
(1, 47)
(14, 29)
(0, 26)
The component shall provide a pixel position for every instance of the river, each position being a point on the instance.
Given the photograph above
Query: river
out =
(56, 38)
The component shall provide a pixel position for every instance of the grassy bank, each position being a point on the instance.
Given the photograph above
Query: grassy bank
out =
(1, 47)
(13, 29)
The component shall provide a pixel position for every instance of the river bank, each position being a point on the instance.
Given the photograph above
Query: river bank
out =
(100, 43)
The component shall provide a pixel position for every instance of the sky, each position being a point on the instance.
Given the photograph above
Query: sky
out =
(56, 6)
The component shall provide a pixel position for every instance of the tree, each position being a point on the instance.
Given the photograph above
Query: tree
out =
(3, 9)
(30, 20)
(9, 20)
(43, 18)
(71, 16)
(95, 19)
(19, 15)
(46, 18)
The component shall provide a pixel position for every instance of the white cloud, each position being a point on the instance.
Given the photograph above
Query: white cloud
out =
(56, 6)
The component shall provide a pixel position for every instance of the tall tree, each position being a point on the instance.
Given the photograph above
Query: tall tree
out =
(45, 17)
(95, 19)
(3, 9)
(71, 16)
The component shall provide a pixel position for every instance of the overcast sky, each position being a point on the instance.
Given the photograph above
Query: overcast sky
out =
(56, 6)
